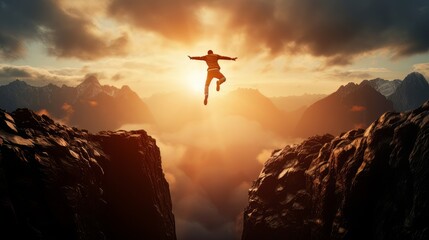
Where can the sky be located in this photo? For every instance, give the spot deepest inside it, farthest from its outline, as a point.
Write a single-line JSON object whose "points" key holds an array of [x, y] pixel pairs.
{"points": [[284, 47]]}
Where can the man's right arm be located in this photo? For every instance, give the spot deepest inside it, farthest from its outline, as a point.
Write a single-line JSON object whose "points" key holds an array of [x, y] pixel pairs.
{"points": [[196, 58]]}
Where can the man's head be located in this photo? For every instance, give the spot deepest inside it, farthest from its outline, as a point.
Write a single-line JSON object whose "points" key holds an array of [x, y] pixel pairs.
{"points": [[209, 52]]}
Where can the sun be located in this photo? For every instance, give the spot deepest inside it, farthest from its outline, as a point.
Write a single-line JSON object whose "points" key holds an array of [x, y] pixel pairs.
{"points": [[196, 80]]}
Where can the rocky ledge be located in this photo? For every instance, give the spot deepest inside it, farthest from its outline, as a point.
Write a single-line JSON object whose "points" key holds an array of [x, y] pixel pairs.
{"points": [[58, 182], [363, 184]]}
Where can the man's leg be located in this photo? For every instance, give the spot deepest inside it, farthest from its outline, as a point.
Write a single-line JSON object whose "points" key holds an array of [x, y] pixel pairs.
{"points": [[206, 87], [221, 80]]}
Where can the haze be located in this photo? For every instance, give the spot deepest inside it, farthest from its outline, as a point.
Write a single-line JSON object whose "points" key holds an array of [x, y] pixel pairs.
{"points": [[212, 153]]}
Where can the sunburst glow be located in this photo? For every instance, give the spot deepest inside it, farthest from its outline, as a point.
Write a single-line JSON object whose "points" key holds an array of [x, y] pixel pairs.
{"points": [[195, 80]]}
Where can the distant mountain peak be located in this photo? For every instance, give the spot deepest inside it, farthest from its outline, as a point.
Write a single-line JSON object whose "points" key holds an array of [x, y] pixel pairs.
{"points": [[18, 82], [126, 88], [344, 90], [89, 88], [89, 105], [385, 87], [348, 86], [415, 74], [246, 91], [415, 77], [351, 106], [90, 80], [413, 91]]}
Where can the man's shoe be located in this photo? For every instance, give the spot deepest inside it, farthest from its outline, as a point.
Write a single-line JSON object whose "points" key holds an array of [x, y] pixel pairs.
{"points": [[218, 85], [205, 99]]}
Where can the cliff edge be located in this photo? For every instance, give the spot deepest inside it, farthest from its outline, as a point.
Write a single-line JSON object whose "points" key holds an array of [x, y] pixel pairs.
{"points": [[58, 182], [363, 184]]}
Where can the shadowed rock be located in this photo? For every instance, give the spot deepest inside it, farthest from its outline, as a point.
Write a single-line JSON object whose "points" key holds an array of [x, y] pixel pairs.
{"points": [[363, 184], [58, 182]]}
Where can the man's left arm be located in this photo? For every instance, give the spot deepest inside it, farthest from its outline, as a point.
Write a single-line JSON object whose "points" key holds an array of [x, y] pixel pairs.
{"points": [[227, 58]]}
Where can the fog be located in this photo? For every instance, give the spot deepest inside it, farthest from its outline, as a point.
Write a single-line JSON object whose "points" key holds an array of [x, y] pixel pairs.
{"points": [[210, 162]]}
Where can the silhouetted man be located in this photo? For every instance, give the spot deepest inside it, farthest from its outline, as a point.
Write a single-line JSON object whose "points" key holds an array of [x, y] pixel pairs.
{"points": [[213, 71]]}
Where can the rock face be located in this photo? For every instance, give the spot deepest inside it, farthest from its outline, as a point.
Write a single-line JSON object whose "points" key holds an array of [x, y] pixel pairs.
{"points": [[58, 182], [364, 184]]}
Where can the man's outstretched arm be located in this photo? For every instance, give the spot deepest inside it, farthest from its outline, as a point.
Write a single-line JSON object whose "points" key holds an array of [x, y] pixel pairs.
{"points": [[196, 58], [227, 58]]}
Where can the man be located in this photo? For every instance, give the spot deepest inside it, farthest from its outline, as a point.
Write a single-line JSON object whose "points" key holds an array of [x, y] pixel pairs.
{"points": [[213, 71]]}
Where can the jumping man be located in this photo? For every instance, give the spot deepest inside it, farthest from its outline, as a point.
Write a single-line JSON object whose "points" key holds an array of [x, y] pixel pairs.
{"points": [[213, 71]]}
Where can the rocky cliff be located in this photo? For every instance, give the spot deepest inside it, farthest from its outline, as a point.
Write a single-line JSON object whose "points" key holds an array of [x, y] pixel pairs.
{"points": [[363, 184], [58, 182]]}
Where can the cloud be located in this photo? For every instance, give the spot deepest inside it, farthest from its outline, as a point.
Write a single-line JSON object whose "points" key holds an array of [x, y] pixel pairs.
{"points": [[68, 113], [14, 72], [176, 20], [10, 47], [349, 75], [210, 164], [423, 68], [117, 77], [43, 112], [65, 34], [210, 167], [38, 76], [357, 108], [68, 110], [195, 231], [337, 30]]}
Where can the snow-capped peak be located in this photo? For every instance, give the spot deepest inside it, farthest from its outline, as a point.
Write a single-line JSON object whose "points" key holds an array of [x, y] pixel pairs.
{"points": [[385, 87], [89, 88]]}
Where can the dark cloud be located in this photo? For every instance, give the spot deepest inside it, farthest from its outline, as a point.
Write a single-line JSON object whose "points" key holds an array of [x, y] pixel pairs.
{"points": [[64, 34], [336, 29], [423, 68], [176, 20], [350, 75], [10, 47], [37, 76], [10, 72], [117, 77]]}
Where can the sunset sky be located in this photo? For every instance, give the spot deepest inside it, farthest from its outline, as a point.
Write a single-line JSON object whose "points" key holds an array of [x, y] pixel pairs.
{"points": [[211, 154], [284, 47]]}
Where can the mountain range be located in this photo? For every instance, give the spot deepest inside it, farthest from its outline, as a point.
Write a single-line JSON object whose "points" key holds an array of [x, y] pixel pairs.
{"points": [[87, 173], [351, 106], [89, 105], [385, 87], [357, 105], [248, 103], [294, 103]]}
